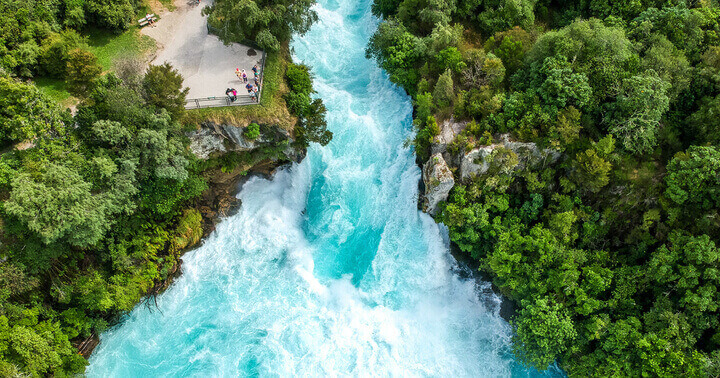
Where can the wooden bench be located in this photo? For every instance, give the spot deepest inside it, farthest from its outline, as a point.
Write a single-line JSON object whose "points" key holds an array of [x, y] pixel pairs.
{"points": [[146, 20]]}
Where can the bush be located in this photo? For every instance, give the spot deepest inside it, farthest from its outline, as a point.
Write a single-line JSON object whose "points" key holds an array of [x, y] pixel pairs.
{"points": [[56, 51], [252, 132], [299, 78]]}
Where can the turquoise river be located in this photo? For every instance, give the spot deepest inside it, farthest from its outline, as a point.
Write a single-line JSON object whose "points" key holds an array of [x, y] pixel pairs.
{"points": [[328, 269]]}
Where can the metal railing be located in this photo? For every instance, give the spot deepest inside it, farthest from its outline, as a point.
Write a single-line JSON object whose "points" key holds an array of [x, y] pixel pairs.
{"points": [[218, 101]]}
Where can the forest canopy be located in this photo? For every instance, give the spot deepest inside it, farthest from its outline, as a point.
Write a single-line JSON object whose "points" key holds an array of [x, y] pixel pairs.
{"points": [[610, 248], [267, 23], [97, 204]]}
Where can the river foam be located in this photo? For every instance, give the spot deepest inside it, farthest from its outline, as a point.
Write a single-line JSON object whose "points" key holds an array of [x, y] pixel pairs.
{"points": [[328, 269]]}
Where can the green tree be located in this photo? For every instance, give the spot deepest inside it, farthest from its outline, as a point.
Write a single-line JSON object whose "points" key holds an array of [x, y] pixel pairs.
{"points": [[560, 87], [693, 187], [82, 71], [269, 23], [602, 53], [591, 171], [423, 15], [26, 113], [687, 268], [635, 119], [299, 78], [163, 88], [444, 92], [313, 126], [704, 124], [396, 51], [511, 52], [544, 331], [442, 37], [111, 14], [58, 204], [670, 64], [501, 15], [450, 59], [385, 8], [74, 14], [56, 51], [567, 128]]}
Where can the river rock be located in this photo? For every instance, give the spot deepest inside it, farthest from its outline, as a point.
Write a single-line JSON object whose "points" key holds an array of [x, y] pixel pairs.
{"points": [[438, 181], [476, 162]]}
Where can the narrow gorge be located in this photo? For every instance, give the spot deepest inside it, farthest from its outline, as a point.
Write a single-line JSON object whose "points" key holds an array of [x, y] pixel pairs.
{"points": [[328, 268]]}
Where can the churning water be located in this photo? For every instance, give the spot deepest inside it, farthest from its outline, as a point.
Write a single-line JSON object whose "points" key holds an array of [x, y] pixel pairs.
{"points": [[329, 268]]}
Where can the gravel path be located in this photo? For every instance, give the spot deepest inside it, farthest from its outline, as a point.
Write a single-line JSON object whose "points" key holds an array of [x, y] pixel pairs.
{"points": [[207, 65]]}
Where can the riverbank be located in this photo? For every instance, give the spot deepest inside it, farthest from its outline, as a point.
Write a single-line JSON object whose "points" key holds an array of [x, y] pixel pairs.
{"points": [[99, 204]]}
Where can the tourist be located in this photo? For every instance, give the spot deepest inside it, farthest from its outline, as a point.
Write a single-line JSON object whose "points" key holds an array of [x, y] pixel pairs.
{"points": [[228, 93], [238, 74], [257, 96], [257, 82], [150, 20], [234, 93], [244, 76], [255, 70], [249, 87]]}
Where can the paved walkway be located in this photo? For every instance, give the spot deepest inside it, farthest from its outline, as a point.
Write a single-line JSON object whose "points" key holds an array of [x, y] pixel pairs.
{"points": [[207, 65]]}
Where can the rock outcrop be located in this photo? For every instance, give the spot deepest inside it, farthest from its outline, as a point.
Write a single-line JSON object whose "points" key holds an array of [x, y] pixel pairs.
{"points": [[272, 148], [449, 129], [438, 170], [477, 161], [213, 140], [438, 179]]}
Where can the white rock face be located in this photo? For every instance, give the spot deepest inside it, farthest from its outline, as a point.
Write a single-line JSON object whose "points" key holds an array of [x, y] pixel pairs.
{"points": [[213, 139], [476, 161], [449, 129], [438, 181], [205, 142]]}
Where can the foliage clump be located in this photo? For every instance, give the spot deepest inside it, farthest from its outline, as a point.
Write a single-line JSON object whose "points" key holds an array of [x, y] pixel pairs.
{"points": [[311, 125]]}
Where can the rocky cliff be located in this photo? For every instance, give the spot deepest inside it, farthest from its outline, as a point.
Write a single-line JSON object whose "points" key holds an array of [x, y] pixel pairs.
{"points": [[438, 181], [215, 144], [212, 140]]}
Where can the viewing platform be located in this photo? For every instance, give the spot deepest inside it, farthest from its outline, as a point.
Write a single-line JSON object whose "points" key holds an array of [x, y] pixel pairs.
{"points": [[207, 65]]}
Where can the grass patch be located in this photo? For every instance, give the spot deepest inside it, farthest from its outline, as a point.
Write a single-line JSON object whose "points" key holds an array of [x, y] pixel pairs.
{"points": [[273, 77], [109, 46], [56, 89], [272, 108]]}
